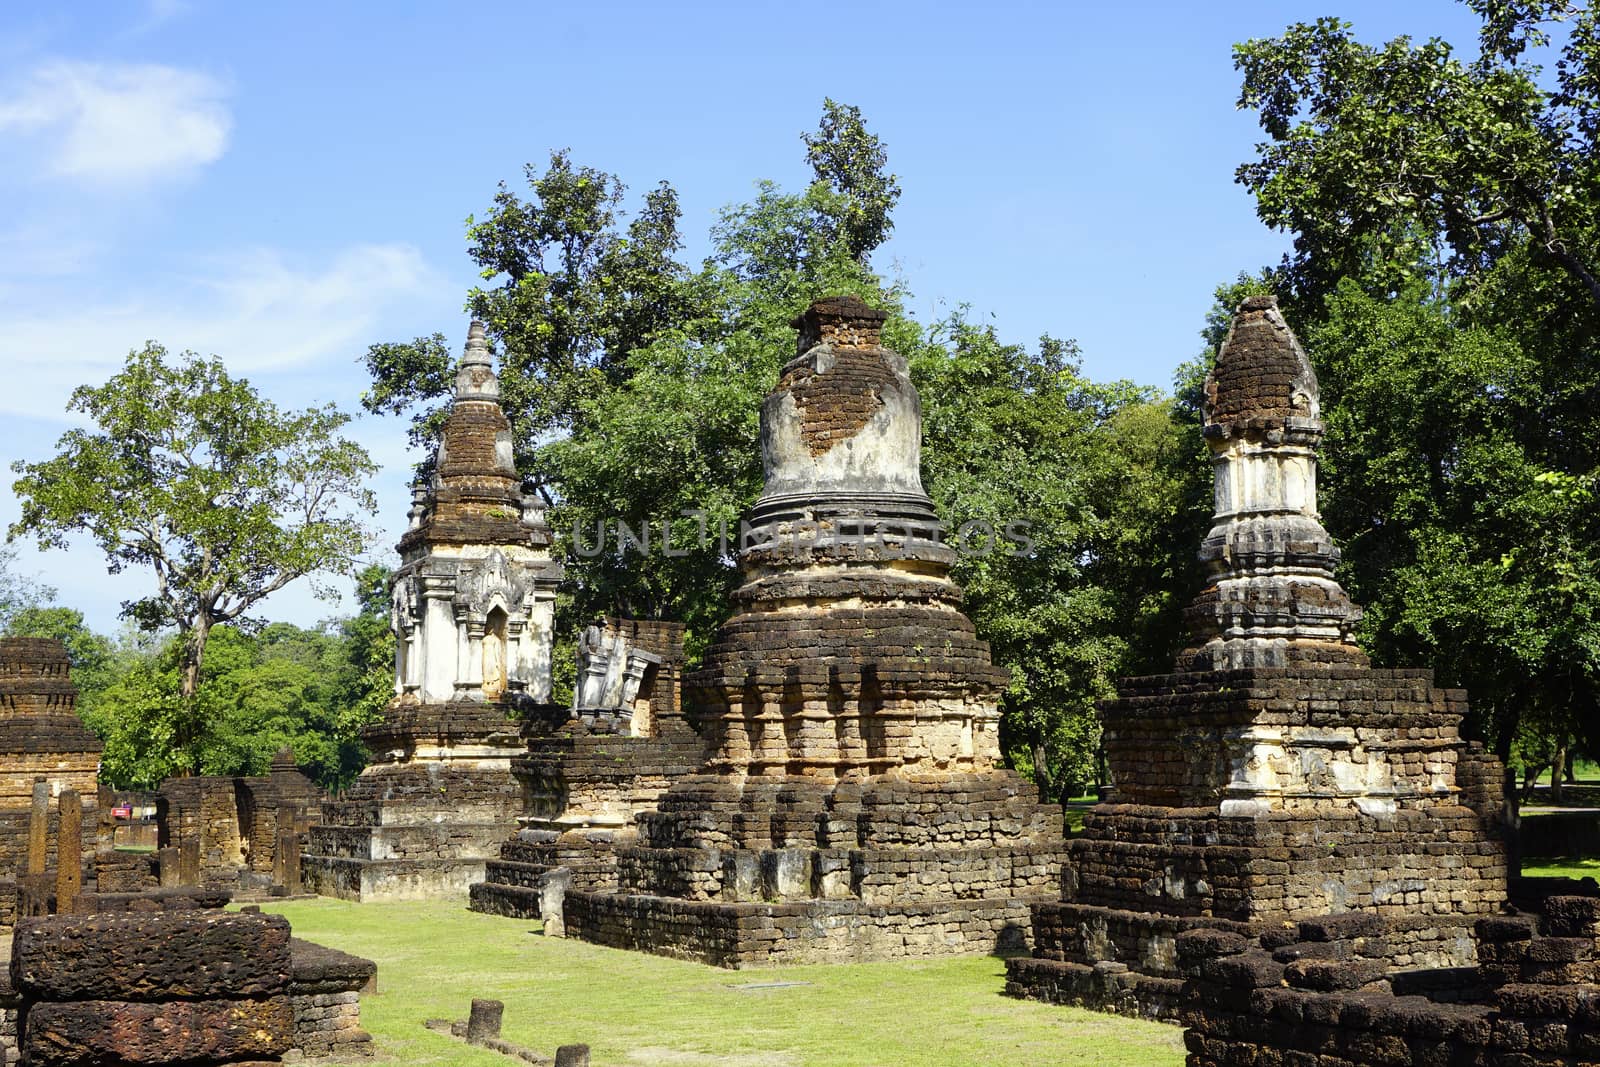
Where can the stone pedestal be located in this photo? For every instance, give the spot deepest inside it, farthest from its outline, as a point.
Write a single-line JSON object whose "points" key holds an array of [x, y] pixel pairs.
{"points": [[422, 820]]}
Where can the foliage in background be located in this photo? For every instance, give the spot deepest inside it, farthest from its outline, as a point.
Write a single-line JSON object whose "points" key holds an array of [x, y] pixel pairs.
{"points": [[311, 690], [18, 592], [1092, 475]]}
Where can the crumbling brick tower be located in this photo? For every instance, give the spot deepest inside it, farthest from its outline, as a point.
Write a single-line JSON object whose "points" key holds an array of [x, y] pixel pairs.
{"points": [[44, 746], [851, 807], [1276, 776], [473, 608]]}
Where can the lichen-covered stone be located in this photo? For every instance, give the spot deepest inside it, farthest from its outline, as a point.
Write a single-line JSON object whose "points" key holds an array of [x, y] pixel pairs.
{"points": [[85, 1033], [151, 956]]}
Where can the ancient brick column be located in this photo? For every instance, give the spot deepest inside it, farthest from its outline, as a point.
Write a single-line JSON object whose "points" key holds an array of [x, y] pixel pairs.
{"points": [[473, 607], [45, 752], [1274, 776], [851, 807], [69, 853]]}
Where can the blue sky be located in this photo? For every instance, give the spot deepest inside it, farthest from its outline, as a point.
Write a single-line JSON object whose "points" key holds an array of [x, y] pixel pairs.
{"points": [[284, 184]]}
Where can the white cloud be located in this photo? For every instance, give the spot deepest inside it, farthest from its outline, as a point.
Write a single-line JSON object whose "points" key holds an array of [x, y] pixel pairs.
{"points": [[105, 123], [297, 331], [256, 311]]}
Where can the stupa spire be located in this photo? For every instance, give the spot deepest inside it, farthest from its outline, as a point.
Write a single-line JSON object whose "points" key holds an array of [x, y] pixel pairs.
{"points": [[1271, 598], [475, 377]]}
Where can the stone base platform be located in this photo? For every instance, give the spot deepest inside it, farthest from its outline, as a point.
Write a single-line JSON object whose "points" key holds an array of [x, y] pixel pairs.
{"points": [[1126, 962], [422, 822], [361, 880], [816, 931], [774, 870], [513, 884]]}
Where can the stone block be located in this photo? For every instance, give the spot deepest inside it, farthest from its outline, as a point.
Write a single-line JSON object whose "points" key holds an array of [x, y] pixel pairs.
{"points": [[92, 1032], [151, 956]]}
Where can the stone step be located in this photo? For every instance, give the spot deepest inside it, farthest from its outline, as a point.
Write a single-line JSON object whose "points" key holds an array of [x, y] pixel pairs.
{"points": [[512, 901], [513, 873]]}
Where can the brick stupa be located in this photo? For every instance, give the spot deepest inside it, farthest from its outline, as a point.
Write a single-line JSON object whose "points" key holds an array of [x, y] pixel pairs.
{"points": [[852, 806], [473, 607], [1275, 776], [42, 742]]}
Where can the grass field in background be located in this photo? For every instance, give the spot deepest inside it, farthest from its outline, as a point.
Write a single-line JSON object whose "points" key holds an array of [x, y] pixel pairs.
{"points": [[1562, 868], [636, 1009]]}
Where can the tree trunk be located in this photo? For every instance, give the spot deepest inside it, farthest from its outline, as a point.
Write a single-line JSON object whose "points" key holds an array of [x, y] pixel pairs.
{"points": [[191, 656], [1558, 767], [1530, 778], [1041, 773]]}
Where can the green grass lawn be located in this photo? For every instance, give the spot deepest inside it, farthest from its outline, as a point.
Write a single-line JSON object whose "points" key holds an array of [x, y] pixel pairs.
{"points": [[1562, 868], [635, 1009]]}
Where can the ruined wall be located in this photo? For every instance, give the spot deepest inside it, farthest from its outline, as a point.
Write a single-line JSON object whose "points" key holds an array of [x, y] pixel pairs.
{"points": [[1320, 995], [203, 809]]}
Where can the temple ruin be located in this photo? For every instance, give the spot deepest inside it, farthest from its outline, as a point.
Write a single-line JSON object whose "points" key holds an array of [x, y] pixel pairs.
{"points": [[587, 776], [1275, 776], [45, 752], [473, 607], [851, 806]]}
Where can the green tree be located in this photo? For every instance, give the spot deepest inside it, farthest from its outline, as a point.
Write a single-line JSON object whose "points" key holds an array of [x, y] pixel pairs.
{"points": [[1469, 551], [309, 689], [573, 294], [852, 163], [1090, 480], [1385, 159], [226, 498]]}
